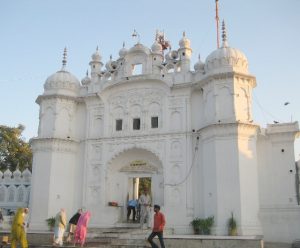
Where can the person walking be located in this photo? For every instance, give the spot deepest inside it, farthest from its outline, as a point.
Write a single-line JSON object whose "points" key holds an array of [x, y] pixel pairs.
{"points": [[81, 228], [18, 233], [158, 228], [59, 227], [72, 225], [145, 204]]}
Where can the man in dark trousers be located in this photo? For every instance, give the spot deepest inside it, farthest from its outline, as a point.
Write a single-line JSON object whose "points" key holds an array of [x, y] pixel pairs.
{"points": [[158, 228]]}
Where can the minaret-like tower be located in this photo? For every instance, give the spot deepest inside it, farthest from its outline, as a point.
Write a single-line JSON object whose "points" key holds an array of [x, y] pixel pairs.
{"points": [[229, 141], [96, 65], [55, 149], [185, 53]]}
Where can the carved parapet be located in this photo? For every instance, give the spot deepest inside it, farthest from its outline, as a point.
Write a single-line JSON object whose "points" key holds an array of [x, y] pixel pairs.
{"points": [[53, 145]]}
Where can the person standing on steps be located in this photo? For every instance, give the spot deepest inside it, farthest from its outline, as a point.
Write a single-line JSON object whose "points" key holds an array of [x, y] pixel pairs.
{"points": [[81, 228], [72, 225], [131, 206], [158, 228], [59, 227], [145, 204]]}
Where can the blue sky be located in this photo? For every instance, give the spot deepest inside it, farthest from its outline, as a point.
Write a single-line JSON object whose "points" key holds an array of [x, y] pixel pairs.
{"points": [[34, 32]]}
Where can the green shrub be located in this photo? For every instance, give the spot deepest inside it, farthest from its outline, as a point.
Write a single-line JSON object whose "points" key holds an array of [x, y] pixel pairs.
{"points": [[202, 226]]}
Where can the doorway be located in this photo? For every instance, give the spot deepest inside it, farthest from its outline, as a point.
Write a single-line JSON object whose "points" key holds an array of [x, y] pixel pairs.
{"points": [[136, 185]]}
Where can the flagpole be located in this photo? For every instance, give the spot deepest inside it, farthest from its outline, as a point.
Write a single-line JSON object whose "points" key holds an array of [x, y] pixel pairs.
{"points": [[217, 24]]}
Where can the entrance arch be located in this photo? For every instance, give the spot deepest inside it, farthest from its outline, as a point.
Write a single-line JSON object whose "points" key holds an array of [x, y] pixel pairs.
{"points": [[127, 166]]}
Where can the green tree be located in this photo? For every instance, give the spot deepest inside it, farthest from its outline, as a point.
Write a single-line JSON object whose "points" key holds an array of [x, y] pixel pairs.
{"points": [[14, 151]]}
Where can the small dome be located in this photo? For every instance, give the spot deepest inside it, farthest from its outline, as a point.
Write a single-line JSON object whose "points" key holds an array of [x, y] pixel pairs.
{"points": [[139, 48], [184, 42], [171, 55], [111, 65], [86, 80], [227, 57], [96, 56], [156, 47], [199, 66], [123, 51]]}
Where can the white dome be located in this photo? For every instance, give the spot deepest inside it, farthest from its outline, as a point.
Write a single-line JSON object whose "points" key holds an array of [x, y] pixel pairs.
{"points": [[61, 80], [86, 80], [156, 47], [227, 57], [184, 42], [111, 65], [96, 56], [199, 66], [123, 51], [171, 55], [139, 48]]}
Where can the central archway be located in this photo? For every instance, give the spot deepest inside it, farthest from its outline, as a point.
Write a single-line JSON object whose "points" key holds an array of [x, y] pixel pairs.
{"points": [[122, 172]]}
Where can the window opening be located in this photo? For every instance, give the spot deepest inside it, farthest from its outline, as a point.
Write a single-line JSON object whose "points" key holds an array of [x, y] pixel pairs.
{"points": [[119, 123], [137, 69], [136, 123], [154, 122]]}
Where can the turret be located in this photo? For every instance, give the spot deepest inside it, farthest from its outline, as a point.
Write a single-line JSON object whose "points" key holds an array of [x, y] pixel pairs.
{"points": [[57, 104], [185, 53], [96, 65]]}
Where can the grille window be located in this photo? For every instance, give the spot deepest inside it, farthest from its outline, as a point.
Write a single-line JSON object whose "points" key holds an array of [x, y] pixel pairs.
{"points": [[119, 125], [154, 122], [136, 124]]}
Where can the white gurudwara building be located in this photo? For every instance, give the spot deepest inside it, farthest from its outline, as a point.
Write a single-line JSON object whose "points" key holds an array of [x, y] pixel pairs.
{"points": [[190, 132]]}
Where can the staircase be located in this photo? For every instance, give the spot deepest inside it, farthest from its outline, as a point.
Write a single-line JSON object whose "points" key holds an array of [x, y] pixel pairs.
{"points": [[130, 235]]}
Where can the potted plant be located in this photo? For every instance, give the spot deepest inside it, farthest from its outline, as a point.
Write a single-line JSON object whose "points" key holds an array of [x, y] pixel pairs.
{"points": [[51, 222], [196, 225], [202, 226], [232, 226]]}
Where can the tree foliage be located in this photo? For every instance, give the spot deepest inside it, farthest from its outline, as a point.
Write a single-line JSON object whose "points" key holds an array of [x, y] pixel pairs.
{"points": [[14, 151]]}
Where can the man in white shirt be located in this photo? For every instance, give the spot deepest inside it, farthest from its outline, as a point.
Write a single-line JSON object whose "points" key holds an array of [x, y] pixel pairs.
{"points": [[145, 206]]}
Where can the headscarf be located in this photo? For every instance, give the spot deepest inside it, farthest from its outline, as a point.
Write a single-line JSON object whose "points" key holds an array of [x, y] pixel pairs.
{"points": [[84, 219]]}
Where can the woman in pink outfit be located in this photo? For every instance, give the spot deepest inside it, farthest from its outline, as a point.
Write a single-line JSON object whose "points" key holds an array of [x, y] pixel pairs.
{"points": [[81, 228]]}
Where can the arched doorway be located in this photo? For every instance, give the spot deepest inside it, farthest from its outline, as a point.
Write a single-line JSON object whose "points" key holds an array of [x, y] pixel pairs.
{"points": [[125, 175]]}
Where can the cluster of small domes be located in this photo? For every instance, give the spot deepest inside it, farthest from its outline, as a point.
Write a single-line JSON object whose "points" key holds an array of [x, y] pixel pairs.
{"points": [[222, 59]]}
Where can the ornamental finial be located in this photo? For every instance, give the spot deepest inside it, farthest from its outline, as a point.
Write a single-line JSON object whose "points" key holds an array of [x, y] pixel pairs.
{"points": [[224, 35], [64, 61]]}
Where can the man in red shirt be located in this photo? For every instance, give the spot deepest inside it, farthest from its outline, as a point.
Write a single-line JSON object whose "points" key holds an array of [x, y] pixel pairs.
{"points": [[158, 228]]}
